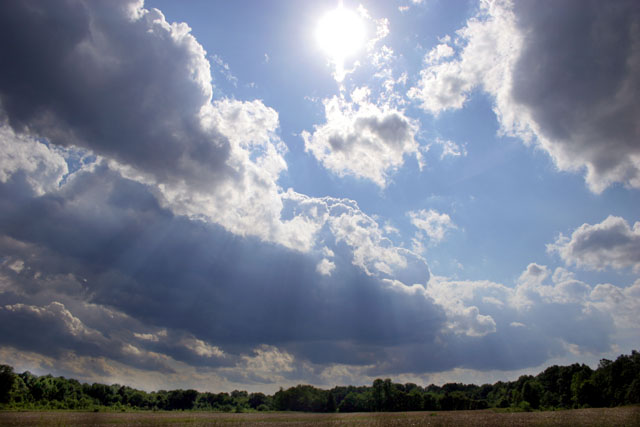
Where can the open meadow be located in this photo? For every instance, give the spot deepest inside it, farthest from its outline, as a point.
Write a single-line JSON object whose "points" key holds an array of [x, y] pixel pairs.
{"points": [[623, 416]]}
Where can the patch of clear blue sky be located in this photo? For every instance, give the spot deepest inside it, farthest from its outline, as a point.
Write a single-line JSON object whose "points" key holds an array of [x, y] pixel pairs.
{"points": [[507, 200]]}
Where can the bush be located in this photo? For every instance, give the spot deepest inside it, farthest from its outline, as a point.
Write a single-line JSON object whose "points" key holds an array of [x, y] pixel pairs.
{"points": [[525, 406]]}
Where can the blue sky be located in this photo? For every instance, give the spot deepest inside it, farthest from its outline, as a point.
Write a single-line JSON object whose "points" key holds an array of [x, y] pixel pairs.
{"points": [[203, 194]]}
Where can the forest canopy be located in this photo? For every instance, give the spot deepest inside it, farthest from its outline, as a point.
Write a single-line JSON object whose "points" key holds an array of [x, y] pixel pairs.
{"points": [[613, 383]]}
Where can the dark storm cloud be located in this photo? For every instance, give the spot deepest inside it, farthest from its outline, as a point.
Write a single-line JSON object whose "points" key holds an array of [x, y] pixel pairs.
{"points": [[99, 267], [53, 330], [564, 73], [233, 292], [96, 74], [547, 329], [124, 83], [206, 297], [578, 74], [507, 350]]}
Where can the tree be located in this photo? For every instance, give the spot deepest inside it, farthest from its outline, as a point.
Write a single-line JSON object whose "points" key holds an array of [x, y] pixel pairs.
{"points": [[7, 378], [182, 399], [301, 398], [19, 392], [378, 395], [331, 403], [532, 392], [415, 401], [257, 399], [613, 383], [633, 391], [354, 402], [429, 402]]}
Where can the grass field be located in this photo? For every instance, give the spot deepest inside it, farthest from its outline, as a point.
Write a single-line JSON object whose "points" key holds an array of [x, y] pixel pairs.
{"points": [[625, 416]]}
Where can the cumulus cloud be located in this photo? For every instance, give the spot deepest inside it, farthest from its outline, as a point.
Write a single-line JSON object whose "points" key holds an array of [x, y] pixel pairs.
{"points": [[490, 47], [542, 316], [431, 224], [533, 287], [622, 303], [66, 332], [119, 284], [567, 81], [176, 251], [129, 254], [43, 167], [366, 133], [325, 267], [156, 121], [372, 250], [609, 244], [182, 191], [361, 138], [163, 78]]}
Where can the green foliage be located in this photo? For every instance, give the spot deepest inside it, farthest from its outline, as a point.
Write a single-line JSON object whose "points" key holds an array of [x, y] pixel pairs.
{"points": [[181, 399], [525, 406], [353, 402], [613, 383], [532, 393], [7, 378], [301, 398], [331, 403], [255, 400]]}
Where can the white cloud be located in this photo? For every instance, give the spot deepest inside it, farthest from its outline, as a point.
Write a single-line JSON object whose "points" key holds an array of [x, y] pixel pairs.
{"points": [[146, 337], [450, 148], [432, 224], [224, 69], [533, 287], [327, 252], [266, 365], [266, 359], [217, 161], [463, 316], [212, 160], [201, 348], [490, 50], [16, 266], [622, 303], [362, 139], [405, 8], [43, 166], [251, 203], [382, 28], [325, 267], [559, 313], [547, 86], [609, 244], [438, 53], [372, 251], [447, 148]]}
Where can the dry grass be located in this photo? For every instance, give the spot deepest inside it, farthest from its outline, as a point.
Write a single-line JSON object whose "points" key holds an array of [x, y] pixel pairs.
{"points": [[625, 416]]}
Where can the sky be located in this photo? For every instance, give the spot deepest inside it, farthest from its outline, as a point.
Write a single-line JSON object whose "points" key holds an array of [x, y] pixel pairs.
{"points": [[223, 195]]}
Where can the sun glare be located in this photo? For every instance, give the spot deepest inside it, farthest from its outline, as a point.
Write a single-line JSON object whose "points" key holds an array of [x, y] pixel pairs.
{"points": [[340, 33]]}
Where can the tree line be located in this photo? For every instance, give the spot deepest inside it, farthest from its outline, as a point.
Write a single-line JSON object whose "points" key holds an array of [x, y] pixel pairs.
{"points": [[613, 383]]}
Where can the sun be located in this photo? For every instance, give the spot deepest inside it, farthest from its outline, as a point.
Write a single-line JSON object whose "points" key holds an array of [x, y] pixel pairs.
{"points": [[340, 34]]}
